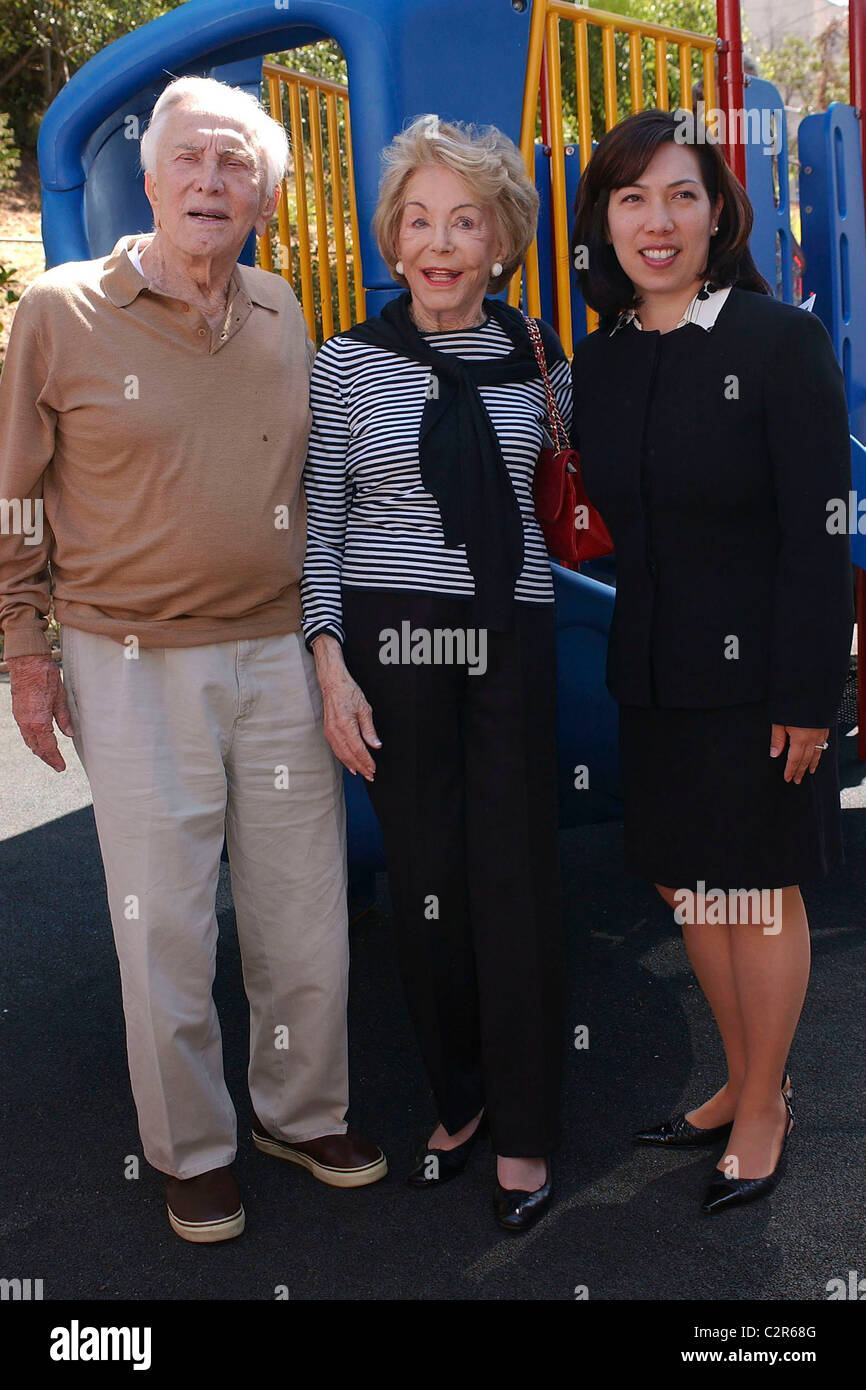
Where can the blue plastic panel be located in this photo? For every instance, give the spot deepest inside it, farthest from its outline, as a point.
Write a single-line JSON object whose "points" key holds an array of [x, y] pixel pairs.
{"points": [[834, 242], [771, 242]]}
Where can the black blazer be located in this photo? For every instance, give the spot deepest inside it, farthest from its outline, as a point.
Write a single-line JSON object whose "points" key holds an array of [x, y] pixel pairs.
{"points": [[712, 456]]}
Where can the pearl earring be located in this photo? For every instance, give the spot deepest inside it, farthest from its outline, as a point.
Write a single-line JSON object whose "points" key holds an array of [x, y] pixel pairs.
{"points": [[399, 267], [496, 269]]}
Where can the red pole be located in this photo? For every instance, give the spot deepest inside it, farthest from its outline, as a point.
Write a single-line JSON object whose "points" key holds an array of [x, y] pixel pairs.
{"points": [[731, 84]]}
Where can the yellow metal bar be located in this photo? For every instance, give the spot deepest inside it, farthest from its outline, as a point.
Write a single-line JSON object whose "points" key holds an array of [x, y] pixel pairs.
{"points": [[530, 86], [584, 112], [337, 204], [608, 55], [559, 211], [307, 296], [590, 15], [264, 241], [533, 283], [276, 75], [289, 75], [686, 76], [357, 275], [322, 238], [662, 75], [285, 231], [710, 80], [515, 284], [527, 149], [635, 72]]}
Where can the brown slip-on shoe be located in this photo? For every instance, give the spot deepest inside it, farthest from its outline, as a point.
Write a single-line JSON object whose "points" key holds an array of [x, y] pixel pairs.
{"points": [[340, 1160], [205, 1208]]}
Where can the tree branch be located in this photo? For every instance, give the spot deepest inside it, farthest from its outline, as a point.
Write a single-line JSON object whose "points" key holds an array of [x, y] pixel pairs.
{"points": [[18, 65]]}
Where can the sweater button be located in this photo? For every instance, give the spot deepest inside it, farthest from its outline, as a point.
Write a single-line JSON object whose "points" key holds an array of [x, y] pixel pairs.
{"points": [[201, 332]]}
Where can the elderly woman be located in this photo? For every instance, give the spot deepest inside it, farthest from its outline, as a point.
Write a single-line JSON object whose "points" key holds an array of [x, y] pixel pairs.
{"points": [[713, 431], [428, 604]]}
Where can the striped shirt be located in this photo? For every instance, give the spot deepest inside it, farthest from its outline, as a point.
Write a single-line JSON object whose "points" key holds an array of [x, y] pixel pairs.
{"points": [[371, 523]]}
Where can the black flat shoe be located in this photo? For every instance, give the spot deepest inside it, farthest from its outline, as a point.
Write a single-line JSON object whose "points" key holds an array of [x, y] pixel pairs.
{"points": [[435, 1166], [516, 1211], [725, 1192], [679, 1133]]}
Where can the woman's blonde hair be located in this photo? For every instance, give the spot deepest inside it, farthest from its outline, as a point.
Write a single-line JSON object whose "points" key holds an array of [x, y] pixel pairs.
{"points": [[488, 161]]}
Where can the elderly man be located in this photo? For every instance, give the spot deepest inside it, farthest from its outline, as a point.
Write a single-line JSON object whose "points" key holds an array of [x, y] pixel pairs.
{"points": [[155, 405]]}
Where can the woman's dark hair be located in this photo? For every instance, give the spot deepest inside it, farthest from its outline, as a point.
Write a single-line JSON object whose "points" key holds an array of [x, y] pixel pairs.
{"points": [[619, 160]]}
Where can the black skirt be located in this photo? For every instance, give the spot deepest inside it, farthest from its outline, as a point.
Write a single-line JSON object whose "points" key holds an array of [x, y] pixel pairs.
{"points": [[704, 801]]}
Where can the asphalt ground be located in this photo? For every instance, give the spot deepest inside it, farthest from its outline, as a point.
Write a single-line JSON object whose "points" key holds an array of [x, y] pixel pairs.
{"points": [[625, 1223]]}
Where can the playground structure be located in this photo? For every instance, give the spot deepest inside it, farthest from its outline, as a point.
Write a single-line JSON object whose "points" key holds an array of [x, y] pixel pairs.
{"points": [[498, 62]]}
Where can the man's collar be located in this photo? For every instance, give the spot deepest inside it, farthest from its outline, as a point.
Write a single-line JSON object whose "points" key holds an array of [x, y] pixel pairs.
{"points": [[122, 283], [261, 286], [703, 310]]}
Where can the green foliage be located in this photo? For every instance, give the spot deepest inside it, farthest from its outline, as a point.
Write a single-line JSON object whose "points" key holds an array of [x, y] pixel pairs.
{"points": [[43, 42], [809, 73], [8, 293], [9, 158], [7, 283], [324, 59], [698, 16]]}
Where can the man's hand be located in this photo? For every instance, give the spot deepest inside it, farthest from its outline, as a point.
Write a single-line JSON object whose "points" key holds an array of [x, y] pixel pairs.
{"points": [[348, 715], [38, 698], [804, 750]]}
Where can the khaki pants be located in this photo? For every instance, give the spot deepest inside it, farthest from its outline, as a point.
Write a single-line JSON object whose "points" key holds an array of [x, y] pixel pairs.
{"points": [[180, 744]]}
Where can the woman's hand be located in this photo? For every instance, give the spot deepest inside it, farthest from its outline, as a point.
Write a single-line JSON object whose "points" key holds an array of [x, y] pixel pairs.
{"points": [[803, 755], [348, 716]]}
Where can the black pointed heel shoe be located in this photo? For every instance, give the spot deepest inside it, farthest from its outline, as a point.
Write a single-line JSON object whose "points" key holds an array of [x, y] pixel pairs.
{"points": [[516, 1211], [723, 1192], [433, 1167], [679, 1133]]}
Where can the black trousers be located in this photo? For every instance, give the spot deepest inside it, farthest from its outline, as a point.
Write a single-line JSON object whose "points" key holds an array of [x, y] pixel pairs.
{"points": [[465, 792]]}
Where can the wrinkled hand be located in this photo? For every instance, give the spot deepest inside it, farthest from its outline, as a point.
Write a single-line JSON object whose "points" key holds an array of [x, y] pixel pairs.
{"points": [[803, 756], [348, 716], [38, 699]]}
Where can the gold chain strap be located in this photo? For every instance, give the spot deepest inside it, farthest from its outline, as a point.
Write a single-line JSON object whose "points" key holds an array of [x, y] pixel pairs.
{"points": [[558, 430]]}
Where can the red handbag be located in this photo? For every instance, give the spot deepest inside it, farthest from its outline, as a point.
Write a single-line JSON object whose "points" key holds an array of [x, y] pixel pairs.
{"points": [[573, 529]]}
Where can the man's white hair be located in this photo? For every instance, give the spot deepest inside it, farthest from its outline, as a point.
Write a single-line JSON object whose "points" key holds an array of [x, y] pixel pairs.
{"points": [[212, 98]]}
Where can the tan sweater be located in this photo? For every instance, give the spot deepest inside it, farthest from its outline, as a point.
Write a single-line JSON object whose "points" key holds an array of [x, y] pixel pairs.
{"points": [[167, 455]]}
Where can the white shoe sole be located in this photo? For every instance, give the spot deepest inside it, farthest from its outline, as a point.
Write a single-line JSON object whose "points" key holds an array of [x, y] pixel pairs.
{"points": [[334, 1177], [207, 1232]]}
